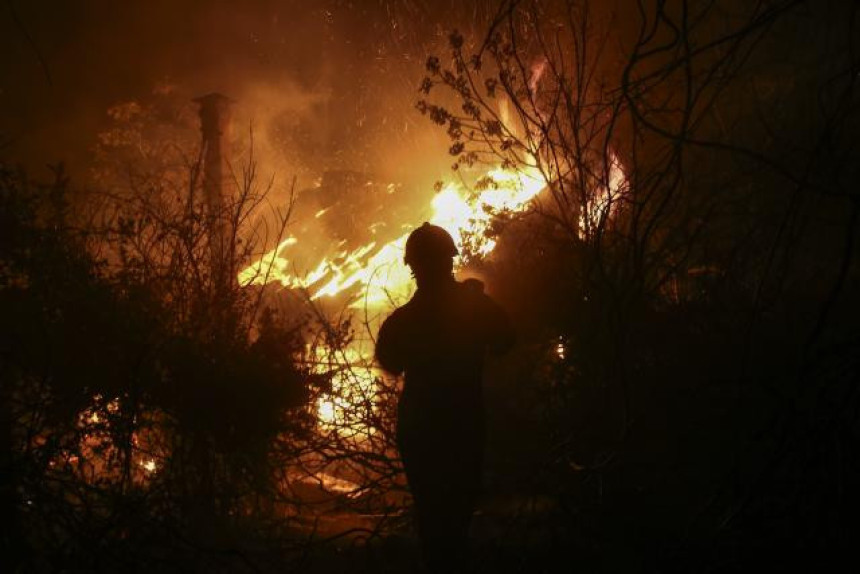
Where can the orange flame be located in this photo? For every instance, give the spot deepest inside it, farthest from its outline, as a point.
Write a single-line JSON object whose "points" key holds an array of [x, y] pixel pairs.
{"points": [[378, 269], [378, 274]]}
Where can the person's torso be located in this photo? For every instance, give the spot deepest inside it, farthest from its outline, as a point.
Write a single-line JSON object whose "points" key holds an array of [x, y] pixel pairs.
{"points": [[445, 342]]}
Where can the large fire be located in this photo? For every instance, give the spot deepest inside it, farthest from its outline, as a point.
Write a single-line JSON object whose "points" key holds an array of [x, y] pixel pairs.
{"points": [[378, 269], [374, 278], [375, 275]]}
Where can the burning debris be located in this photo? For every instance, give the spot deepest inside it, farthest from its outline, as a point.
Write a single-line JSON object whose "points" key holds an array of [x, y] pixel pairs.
{"points": [[376, 269]]}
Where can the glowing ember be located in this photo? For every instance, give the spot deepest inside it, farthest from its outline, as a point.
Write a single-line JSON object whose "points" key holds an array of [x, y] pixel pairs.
{"points": [[97, 456], [560, 349]]}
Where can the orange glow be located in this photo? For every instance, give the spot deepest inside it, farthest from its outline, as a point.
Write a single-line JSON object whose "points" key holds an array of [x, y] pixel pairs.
{"points": [[378, 269], [375, 277], [604, 200], [97, 457], [353, 381], [380, 278]]}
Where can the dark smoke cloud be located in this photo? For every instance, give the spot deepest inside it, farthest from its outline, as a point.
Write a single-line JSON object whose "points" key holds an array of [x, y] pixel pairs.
{"points": [[332, 81]]}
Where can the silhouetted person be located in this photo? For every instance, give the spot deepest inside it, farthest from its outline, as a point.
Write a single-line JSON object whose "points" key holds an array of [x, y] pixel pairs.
{"points": [[439, 339]]}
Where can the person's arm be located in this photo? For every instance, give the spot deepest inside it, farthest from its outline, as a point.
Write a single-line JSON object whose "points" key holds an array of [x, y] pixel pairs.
{"points": [[500, 331], [389, 346]]}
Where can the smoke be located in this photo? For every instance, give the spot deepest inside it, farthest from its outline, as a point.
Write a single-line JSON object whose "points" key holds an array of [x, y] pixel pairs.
{"points": [[327, 88], [327, 85]]}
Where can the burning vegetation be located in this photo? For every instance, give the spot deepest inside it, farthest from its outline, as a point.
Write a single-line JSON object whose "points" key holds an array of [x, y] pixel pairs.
{"points": [[661, 194]]}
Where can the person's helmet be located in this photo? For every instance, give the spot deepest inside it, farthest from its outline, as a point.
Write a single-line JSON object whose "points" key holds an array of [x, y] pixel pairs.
{"points": [[429, 243]]}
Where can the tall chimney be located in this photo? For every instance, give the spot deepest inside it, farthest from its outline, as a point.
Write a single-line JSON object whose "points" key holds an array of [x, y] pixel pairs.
{"points": [[215, 115]]}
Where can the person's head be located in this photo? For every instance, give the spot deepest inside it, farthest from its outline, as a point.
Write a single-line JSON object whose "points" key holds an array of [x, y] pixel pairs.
{"points": [[430, 252]]}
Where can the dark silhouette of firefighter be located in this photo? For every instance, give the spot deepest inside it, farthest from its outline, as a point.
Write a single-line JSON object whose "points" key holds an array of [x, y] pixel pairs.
{"points": [[439, 340]]}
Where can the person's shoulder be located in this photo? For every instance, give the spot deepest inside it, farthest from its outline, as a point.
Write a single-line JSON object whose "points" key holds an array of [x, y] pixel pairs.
{"points": [[396, 315], [401, 314]]}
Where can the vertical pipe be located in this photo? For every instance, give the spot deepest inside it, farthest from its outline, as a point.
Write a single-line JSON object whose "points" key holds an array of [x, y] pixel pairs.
{"points": [[215, 115]]}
